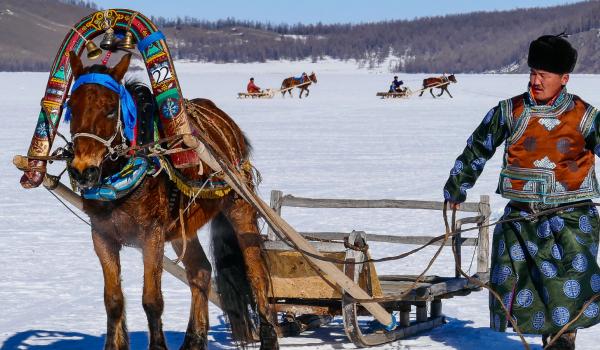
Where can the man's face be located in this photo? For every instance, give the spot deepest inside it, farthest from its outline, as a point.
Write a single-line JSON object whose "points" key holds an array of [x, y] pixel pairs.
{"points": [[545, 85]]}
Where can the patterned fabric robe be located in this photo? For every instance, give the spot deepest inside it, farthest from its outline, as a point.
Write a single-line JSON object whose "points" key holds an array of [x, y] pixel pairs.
{"points": [[545, 269]]}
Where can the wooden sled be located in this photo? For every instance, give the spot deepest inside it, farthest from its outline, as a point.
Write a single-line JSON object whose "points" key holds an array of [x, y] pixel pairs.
{"points": [[268, 93], [309, 300], [402, 94]]}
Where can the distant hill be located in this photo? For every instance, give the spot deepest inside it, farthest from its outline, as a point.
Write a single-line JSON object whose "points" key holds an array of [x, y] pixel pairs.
{"points": [[32, 31], [473, 42]]}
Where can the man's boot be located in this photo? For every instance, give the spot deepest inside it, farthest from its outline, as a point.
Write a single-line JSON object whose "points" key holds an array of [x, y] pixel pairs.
{"points": [[565, 342]]}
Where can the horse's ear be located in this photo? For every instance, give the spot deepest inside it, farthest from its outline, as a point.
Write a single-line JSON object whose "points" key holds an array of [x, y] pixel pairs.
{"points": [[118, 71], [75, 63]]}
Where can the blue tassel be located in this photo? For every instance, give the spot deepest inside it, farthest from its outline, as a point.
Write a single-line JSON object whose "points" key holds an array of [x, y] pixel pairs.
{"points": [[67, 114], [392, 325]]}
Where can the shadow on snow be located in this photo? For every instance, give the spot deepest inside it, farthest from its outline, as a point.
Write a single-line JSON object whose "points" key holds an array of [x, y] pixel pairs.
{"points": [[454, 334]]}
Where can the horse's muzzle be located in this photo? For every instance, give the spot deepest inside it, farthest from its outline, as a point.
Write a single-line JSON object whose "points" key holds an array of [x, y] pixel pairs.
{"points": [[90, 176]]}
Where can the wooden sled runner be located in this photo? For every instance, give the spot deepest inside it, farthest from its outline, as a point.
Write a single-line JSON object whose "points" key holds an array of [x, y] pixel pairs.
{"points": [[268, 93], [303, 294], [402, 94]]}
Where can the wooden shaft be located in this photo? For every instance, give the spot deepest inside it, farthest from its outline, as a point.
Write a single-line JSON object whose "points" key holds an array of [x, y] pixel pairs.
{"points": [[280, 225], [74, 199]]}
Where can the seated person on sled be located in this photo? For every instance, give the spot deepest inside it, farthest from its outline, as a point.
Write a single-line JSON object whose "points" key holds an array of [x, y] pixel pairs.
{"points": [[252, 88], [396, 85]]}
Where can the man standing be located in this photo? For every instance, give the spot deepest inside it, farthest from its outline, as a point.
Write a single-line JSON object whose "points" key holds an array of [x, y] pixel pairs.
{"points": [[252, 88], [545, 269]]}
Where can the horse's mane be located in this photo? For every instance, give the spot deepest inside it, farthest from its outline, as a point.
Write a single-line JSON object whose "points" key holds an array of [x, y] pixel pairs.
{"points": [[97, 68], [131, 82]]}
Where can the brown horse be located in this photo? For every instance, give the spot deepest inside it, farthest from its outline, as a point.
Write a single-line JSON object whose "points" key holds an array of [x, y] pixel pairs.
{"points": [[438, 82], [288, 84], [154, 213]]}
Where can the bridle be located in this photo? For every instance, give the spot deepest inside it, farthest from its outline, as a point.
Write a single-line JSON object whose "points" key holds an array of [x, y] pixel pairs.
{"points": [[126, 115], [113, 152]]}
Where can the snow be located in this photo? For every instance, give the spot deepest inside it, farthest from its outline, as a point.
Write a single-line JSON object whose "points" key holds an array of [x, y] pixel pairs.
{"points": [[341, 142]]}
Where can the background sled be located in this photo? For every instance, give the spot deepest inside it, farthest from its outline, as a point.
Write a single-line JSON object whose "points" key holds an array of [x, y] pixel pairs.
{"points": [[403, 94], [268, 93]]}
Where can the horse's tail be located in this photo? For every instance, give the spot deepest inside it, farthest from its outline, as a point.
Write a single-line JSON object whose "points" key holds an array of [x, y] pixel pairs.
{"points": [[233, 287], [284, 84]]}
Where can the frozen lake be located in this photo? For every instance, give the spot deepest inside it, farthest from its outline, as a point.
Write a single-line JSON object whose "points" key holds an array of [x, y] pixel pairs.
{"points": [[340, 142]]}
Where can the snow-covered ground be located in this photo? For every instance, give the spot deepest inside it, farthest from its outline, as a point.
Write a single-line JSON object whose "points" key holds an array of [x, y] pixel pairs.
{"points": [[341, 142]]}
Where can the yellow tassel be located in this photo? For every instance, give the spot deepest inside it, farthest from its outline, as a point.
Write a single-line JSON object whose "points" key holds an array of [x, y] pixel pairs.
{"points": [[191, 191]]}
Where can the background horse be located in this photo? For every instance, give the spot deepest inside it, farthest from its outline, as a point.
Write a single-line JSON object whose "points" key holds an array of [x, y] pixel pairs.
{"points": [[154, 213], [438, 82], [288, 84]]}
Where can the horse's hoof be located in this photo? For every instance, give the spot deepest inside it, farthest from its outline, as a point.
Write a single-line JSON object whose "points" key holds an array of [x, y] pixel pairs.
{"points": [[194, 343], [268, 338], [564, 342]]}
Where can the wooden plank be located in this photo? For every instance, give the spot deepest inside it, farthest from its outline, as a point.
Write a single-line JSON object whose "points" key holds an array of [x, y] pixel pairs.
{"points": [[421, 312], [484, 239], [436, 308], [302, 309], [425, 290], [275, 204], [373, 237], [300, 202], [412, 278], [321, 246], [293, 277], [405, 315], [392, 94]]}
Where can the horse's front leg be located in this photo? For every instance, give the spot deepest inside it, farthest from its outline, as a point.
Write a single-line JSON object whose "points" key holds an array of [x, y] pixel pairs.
{"points": [[448, 91], [243, 219], [152, 300], [107, 251], [301, 91], [431, 92], [307, 92], [198, 272]]}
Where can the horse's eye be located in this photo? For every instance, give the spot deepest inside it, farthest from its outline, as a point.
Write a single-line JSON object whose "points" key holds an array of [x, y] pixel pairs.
{"points": [[112, 114]]}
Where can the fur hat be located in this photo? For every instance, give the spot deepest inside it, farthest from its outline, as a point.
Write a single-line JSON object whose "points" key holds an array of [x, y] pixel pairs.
{"points": [[552, 53]]}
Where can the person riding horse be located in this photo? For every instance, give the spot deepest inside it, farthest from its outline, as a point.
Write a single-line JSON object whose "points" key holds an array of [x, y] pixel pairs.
{"points": [[301, 82], [439, 83], [544, 267], [301, 78]]}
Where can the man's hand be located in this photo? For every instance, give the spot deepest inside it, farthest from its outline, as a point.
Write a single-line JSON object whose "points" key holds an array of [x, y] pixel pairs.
{"points": [[453, 205]]}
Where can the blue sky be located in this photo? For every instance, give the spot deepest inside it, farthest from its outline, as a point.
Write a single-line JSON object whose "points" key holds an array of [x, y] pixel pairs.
{"points": [[312, 11]]}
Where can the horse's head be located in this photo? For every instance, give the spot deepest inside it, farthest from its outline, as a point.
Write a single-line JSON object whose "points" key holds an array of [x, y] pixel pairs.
{"points": [[96, 110], [313, 77], [452, 78]]}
